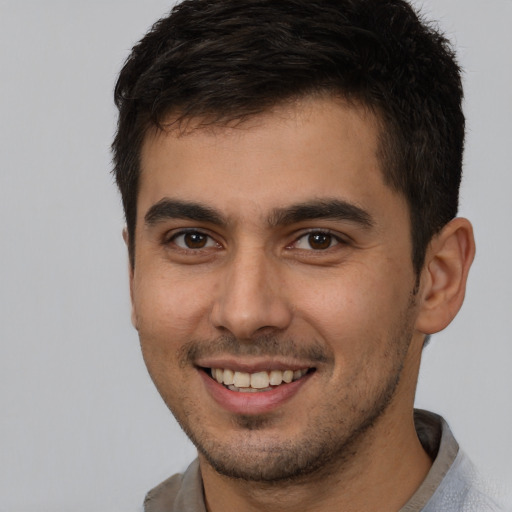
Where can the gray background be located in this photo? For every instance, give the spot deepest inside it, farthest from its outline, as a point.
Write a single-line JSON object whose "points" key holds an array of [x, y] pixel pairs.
{"points": [[81, 427]]}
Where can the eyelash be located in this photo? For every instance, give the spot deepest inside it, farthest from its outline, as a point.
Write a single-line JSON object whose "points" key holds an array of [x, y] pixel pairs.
{"points": [[209, 241], [334, 240], [183, 233]]}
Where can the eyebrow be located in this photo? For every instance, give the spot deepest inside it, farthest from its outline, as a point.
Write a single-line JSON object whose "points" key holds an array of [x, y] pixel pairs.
{"points": [[334, 209], [167, 209]]}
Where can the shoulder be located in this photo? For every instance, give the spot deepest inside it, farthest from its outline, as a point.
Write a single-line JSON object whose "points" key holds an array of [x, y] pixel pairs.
{"points": [[463, 490], [453, 484], [183, 491]]}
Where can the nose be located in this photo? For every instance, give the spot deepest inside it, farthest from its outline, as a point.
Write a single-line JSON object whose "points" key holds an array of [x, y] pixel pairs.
{"points": [[250, 297]]}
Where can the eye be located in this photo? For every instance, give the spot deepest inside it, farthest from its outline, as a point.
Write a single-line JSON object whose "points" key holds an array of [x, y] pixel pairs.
{"points": [[193, 240], [317, 241]]}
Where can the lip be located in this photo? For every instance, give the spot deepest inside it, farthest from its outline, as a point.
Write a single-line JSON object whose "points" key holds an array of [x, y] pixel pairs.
{"points": [[253, 366], [252, 403]]}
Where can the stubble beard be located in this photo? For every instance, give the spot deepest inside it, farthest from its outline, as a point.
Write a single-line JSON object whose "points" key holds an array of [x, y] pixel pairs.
{"points": [[324, 446], [329, 444]]}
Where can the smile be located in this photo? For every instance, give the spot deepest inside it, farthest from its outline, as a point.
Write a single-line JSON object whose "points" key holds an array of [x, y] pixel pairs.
{"points": [[245, 382], [253, 388]]}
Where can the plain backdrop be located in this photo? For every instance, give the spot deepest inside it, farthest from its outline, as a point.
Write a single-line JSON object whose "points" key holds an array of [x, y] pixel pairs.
{"points": [[81, 426]]}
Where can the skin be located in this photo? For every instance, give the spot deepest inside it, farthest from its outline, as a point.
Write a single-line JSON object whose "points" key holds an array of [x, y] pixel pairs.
{"points": [[227, 275]]}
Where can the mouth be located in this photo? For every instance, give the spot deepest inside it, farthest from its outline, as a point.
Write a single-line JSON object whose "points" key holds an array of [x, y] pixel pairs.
{"points": [[257, 382], [256, 387]]}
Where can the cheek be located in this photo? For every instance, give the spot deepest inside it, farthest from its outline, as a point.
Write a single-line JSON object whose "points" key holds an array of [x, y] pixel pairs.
{"points": [[356, 311], [169, 310], [168, 315]]}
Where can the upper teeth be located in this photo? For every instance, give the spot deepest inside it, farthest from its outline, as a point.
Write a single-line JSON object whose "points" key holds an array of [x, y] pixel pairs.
{"points": [[258, 380]]}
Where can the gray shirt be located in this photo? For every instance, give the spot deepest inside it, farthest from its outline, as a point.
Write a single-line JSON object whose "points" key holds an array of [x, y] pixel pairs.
{"points": [[452, 484]]}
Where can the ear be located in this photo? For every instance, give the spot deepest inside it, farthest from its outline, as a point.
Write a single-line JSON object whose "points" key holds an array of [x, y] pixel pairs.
{"points": [[444, 276], [131, 275]]}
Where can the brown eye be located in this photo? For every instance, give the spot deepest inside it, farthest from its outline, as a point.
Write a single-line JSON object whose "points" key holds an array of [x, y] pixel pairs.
{"points": [[193, 240], [316, 241], [319, 241]]}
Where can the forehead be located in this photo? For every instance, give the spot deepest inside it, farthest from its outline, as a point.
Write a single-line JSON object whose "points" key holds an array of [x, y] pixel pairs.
{"points": [[298, 152]]}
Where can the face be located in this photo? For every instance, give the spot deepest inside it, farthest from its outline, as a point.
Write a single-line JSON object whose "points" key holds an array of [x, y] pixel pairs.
{"points": [[273, 288]]}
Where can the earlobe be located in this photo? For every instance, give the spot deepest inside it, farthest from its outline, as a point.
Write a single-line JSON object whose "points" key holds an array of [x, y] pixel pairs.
{"points": [[444, 276], [130, 276]]}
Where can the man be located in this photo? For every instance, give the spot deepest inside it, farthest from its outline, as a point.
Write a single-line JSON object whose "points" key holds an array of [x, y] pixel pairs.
{"points": [[289, 173]]}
